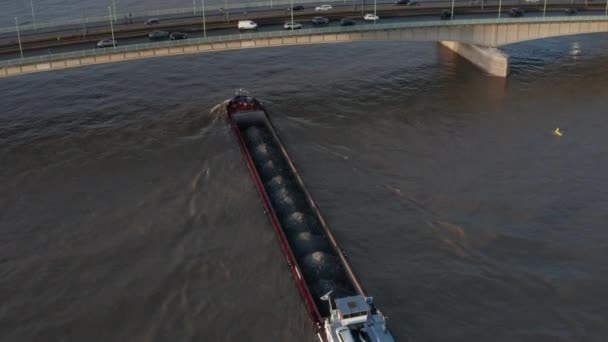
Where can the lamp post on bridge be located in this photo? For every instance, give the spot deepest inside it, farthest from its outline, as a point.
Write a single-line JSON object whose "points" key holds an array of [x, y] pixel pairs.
{"points": [[204, 21], [19, 37], [112, 28], [375, 1], [499, 7], [33, 15], [291, 10], [606, 7], [85, 21], [452, 12], [226, 10], [114, 6], [545, 9]]}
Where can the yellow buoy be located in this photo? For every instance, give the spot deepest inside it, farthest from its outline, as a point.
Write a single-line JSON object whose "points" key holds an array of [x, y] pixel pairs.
{"points": [[558, 132]]}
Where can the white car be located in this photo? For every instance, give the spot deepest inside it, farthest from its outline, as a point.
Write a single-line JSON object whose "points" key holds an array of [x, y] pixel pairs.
{"points": [[371, 17], [531, 1], [292, 26], [247, 25], [106, 43], [324, 8]]}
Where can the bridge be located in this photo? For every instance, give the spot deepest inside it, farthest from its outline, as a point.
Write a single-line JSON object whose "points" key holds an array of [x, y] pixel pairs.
{"points": [[475, 39]]}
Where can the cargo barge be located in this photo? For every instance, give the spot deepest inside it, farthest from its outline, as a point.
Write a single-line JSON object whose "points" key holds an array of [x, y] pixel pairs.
{"points": [[337, 304]]}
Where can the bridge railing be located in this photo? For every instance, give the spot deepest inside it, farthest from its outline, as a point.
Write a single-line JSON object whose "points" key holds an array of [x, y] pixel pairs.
{"points": [[289, 33]]}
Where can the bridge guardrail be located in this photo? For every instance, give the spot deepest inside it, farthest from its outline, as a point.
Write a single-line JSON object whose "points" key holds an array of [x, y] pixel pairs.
{"points": [[288, 33]]}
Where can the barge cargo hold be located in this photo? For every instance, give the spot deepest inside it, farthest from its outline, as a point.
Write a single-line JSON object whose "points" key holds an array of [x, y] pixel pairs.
{"points": [[336, 302]]}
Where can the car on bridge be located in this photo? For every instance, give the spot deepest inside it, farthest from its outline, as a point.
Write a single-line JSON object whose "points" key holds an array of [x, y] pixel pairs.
{"points": [[292, 26], [323, 8], [104, 43], [157, 35], [407, 2], [517, 12], [371, 17], [347, 22], [178, 35], [532, 1], [320, 21], [445, 14], [296, 8], [152, 21], [570, 11], [244, 25]]}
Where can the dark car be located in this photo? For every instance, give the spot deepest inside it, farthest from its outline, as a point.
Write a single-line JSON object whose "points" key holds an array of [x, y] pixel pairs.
{"points": [[320, 20], [402, 2], [517, 12], [445, 14], [155, 35], [570, 11], [178, 35], [347, 22], [296, 8], [152, 21]]}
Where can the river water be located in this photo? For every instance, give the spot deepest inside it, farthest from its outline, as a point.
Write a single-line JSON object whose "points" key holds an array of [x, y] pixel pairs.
{"points": [[129, 215]]}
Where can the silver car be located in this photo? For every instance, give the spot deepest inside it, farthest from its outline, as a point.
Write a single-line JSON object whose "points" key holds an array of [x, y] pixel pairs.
{"points": [[106, 43], [292, 26]]}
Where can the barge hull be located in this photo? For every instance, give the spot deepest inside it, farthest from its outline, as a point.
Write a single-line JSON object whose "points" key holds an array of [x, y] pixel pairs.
{"points": [[316, 261], [272, 217]]}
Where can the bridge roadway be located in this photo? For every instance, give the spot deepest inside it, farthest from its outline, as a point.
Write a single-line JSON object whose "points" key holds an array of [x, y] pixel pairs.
{"points": [[48, 40], [92, 32], [482, 29], [183, 16], [42, 49]]}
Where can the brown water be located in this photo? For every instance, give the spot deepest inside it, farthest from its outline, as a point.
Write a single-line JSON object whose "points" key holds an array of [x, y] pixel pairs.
{"points": [[128, 213]]}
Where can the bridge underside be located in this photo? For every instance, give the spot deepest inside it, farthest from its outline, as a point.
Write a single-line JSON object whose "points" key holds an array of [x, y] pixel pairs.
{"points": [[489, 34], [489, 59]]}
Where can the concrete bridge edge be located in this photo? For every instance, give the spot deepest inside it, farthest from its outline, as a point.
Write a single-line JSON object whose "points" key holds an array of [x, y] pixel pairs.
{"points": [[20, 69]]}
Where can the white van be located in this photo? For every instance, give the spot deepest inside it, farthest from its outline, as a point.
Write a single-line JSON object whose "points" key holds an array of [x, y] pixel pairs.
{"points": [[247, 25]]}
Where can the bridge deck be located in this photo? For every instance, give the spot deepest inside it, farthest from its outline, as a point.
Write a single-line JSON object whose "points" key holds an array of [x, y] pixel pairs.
{"points": [[485, 32]]}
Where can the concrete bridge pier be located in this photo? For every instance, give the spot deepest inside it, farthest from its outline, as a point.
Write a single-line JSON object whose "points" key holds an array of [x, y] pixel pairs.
{"points": [[489, 59]]}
